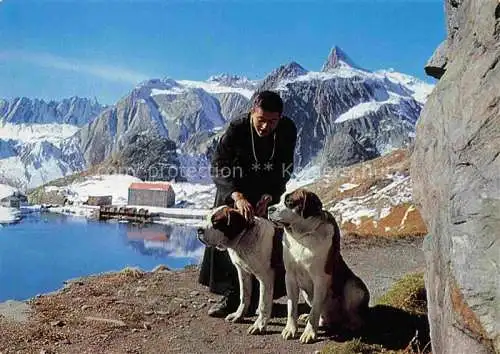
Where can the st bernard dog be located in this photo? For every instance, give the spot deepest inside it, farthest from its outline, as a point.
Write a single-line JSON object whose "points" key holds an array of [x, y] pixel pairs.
{"points": [[313, 263], [249, 246]]}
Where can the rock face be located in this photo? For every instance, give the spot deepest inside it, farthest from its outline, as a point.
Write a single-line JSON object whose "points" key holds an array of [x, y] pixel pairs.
{"points": [[150, 158], [456, 174], [436, 66], [344, 150], [231, 104], [156, 107]]}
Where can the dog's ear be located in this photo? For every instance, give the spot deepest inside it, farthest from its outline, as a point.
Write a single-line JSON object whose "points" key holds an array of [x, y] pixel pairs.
{"points": [[229, 221], [334, 251], [312, 205], [295, 200], [304, 202]]}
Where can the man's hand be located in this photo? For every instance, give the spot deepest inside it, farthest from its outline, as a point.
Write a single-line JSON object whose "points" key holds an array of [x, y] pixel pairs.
{"points": [[243, 206], [261, 207]]}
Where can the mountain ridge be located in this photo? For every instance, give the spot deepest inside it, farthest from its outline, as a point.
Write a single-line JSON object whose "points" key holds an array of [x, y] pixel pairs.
{"points": [[372, 112]]}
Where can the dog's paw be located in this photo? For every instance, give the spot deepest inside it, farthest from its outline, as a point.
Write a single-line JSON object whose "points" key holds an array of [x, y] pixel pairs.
{"points": [[258, 327], [289, 332], [234, 317], [309, 335], [304, 317]]}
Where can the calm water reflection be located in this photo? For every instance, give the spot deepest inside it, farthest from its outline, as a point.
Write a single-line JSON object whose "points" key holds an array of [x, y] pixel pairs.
{"points": [[42, 251]]}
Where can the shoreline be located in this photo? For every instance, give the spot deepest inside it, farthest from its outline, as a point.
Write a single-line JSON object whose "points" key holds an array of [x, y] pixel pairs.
{"points": [[349, 242], [19, 310], [175, 216], [352, 247]]}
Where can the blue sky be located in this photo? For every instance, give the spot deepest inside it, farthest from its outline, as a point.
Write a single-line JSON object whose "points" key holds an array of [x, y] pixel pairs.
{"points": [[102, 48]]}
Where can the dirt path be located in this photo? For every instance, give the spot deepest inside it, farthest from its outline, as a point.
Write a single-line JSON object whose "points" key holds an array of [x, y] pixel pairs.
{"points": [[165, 311], [381, 263]]}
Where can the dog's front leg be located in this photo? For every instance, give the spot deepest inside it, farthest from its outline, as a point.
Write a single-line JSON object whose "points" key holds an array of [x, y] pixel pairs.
{"points": [[245, 280], [320, 293], [266, 291], [292, 291]]}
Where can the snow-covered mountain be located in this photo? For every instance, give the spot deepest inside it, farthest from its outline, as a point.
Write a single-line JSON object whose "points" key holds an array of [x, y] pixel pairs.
{"points": [[177, 110], [33, 134], [344, 114], [338, 59], [73, 111]]}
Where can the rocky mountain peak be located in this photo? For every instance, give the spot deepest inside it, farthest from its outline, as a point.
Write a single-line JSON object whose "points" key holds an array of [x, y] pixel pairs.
{"points": [[286, 71], [290, 70], [145, 88], [338, 58], [232, 81]]}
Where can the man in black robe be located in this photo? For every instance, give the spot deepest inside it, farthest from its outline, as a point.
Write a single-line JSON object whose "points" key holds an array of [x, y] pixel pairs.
{"points": [[251, 165]]}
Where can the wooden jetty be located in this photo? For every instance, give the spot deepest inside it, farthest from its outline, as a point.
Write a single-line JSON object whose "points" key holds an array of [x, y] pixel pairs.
{"points": [[140, 215]]}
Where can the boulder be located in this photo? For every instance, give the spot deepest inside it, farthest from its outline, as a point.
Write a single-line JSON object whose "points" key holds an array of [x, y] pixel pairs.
{"points": [[455, 168], [436, 66]]}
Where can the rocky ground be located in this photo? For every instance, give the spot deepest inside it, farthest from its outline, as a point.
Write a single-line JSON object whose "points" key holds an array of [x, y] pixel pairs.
{"points": [[165, 311]]}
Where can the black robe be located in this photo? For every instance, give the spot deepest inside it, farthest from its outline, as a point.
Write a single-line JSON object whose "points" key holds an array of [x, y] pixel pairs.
{"points": [[235, 168]]}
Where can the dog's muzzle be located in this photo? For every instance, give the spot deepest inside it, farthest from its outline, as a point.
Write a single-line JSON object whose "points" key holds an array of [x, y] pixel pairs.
{"points": [[271, 211], [275, 219]]}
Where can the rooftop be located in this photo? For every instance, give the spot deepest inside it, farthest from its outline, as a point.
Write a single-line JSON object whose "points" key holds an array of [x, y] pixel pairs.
{"points": [[161, 186]]}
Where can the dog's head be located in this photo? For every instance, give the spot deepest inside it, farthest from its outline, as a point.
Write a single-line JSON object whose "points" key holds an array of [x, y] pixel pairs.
{"points": [[296, 206], [223, 226]]}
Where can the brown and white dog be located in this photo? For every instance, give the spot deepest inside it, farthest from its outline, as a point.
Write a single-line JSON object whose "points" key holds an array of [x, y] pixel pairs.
{"points": [[249, 246], [311, 252]]}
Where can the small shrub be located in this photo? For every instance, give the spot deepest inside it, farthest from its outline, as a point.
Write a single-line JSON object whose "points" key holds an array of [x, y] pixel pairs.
{"points": [[407, 294], [132, 272]]}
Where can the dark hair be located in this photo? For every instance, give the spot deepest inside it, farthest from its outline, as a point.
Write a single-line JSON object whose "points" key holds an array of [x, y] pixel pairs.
{"points": [[269, 101]]}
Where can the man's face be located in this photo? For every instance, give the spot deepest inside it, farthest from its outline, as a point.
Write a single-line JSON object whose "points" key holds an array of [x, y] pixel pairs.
{"points": [[263, 121]]}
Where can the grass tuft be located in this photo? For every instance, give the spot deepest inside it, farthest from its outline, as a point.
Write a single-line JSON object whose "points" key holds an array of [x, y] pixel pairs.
{"points": [[132, 272], [407, 294]]}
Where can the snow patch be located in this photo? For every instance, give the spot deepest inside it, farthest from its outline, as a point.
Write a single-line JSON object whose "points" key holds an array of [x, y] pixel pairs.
{"points": [[410, 209], [6, 190], [420, 89], [9, 215], [171, 91], [364, 108], [385, 212], [197, 195], [307, 175], [100, 185], [351, 210], [32, 173], [201, 196], [30, 133], [215, 88], [245, 88], [347, 186], [340, 72], [377, 203]]}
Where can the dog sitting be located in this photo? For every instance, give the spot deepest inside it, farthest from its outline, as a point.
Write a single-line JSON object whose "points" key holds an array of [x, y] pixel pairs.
{"points": [[250, 248], [313, 263]]}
